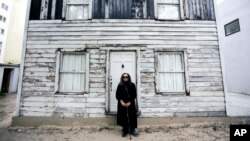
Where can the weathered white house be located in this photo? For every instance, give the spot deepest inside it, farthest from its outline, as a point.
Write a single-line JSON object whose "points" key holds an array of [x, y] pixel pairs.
{"points": [[76, 51]]}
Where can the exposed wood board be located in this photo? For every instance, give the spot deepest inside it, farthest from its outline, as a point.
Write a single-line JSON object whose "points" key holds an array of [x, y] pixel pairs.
{"points": [[123, 33], [206, 94], [213, 88], [37, 104], [35, 114], [122, 21], [44, 9], [53, 12], [134, 42], [205, 74], [182, 109], [38, 89], [55, 29], [38, 109], [214, 60], [182, 104], [141, 37], [159, 98], [167, 24], [38, 79], [204, 69], [30, 74], [38, 84], [202, 65], [205, 84]]}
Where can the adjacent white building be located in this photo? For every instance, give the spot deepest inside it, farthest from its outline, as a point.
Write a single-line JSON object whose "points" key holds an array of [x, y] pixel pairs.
{"points": [[12, 20], [233, 29], [4, 16]]}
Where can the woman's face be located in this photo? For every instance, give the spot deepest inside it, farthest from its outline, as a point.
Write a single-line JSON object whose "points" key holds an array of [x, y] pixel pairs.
{"points": [[125, 77]]}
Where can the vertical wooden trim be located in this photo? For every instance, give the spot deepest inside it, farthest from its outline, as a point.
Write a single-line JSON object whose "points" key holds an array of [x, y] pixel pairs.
{"points": [[181, 2], [145, 10], [155, 9], [64, 9], [20, 83], [44, 9], [186, 7], [87, 73], [157, 82], [58, 61], [90, 9], [212, 10], [186, 71], [107, 81], [198, 15], [138, 77], [53, 11], [106, 9]]}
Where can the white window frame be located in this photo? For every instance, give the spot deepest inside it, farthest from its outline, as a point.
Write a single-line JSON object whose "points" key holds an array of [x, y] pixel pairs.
{"points": [[167, 2], [59, 57], [157, 76], [67, 3]]}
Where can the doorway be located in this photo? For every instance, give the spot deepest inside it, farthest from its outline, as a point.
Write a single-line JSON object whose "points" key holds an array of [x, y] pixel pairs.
{"points": [[120, 62], [6, 80]]}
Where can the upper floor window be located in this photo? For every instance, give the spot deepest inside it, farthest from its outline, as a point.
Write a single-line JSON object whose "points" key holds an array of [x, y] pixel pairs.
{"points": [[4, 19], [167, 9], [2, 31], [78, 9]]}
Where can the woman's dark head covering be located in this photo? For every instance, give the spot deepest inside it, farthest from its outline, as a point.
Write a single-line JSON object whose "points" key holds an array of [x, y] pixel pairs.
{"points": [[121, 79]]}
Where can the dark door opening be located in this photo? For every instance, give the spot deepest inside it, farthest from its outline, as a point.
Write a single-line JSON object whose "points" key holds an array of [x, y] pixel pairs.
{"points": [[6, 80]]}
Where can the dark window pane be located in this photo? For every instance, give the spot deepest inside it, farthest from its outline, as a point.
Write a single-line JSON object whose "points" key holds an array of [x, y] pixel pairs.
{"points": [[232, 27]]}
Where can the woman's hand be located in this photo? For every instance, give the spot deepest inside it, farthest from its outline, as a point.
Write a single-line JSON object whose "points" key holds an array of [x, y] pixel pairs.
{"points": [[128, 104], [125, 104], [122, 103]]}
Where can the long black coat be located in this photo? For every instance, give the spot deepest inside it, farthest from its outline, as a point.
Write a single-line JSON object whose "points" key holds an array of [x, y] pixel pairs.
{"points": [[128, 95]]}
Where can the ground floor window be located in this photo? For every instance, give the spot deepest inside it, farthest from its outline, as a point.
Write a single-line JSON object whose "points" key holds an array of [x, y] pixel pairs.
{"points": [[171, 72], [72, 72]]}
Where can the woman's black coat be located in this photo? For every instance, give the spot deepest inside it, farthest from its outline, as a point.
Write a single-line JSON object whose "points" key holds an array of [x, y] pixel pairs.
{"points": [[128, 95]]}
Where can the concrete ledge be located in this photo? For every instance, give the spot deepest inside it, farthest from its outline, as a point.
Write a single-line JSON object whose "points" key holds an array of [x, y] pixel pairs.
{"points": [[111, 121]]}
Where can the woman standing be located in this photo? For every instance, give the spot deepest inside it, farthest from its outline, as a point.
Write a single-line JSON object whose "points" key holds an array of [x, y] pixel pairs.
{"points": [[126, 112]]}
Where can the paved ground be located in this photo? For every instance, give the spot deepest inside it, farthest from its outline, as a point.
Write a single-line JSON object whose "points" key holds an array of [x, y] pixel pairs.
{"points": [[7, 108], [238, 104], [168, 129]]}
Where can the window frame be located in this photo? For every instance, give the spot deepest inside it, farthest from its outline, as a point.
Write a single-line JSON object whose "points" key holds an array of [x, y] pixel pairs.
{"points": [[157, 76], [59, 57], [180, 7], [65, 11]]}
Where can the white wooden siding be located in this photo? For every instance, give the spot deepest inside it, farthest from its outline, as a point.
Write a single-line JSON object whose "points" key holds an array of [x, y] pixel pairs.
{"points": [[198, 38]]}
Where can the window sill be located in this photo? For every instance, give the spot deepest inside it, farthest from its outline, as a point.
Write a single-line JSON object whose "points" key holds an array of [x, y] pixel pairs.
{"points": [[172, 94], [71, 93]]}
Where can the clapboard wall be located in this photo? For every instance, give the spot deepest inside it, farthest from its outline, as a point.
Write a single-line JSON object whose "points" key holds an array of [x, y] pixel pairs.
{"points": [[197, 38]]}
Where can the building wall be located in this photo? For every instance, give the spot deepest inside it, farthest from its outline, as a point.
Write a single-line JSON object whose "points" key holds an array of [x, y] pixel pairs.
{"points": [[198, 39], [235, 48], [235, 54], [14, 40], [5, 8]]}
